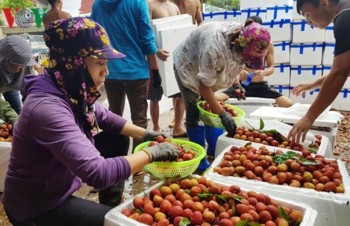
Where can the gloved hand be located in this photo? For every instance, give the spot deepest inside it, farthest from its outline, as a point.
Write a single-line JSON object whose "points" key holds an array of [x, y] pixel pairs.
{"points": [[162, 152], [157, 80], [150, 135], [228, 122], [239, 91]]}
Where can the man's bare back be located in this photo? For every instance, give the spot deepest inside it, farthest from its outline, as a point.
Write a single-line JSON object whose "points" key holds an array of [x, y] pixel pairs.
{"points": [[192, 7], [53, 15], [162, 8]]}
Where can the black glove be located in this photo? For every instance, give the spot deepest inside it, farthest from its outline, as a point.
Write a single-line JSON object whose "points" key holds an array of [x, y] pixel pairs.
{"points": [[162, 152], [150, 135], [157, 80], [228, 122], [239, 91]]}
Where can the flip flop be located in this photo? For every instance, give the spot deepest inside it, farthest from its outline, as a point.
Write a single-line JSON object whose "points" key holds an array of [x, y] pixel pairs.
{"points": [[181, 135]]}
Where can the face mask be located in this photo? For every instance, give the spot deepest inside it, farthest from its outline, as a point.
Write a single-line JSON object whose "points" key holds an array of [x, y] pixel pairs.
{"points": [[11, 68], [253, 62]]}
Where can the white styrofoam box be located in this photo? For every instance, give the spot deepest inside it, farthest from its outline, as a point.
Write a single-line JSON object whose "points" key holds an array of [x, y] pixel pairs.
{"points": [[169, 22], [5, 150], [328, 53], [341, 102], [282, 89], [223, 141], [308, 98], [306, 53], [281, 52], [295, 113], [281, 75], [303, 32], [327, 69], [300, 74], [250, 104], [267, 3], [234, 15], [115, 218], [333, 209], [296, 15], [280, 30], [246, 4], [246, 13], [329, 34], [169, 39], [277, 12]]}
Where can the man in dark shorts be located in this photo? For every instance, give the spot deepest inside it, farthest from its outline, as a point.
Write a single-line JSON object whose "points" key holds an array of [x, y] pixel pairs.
{"points": [[320, 14]]}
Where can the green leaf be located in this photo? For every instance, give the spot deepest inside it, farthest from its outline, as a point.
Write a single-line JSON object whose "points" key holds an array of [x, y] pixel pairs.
{"points": [[312, 150], [282, 213], [222, 197], [248, 144], [184, 222], [262, 124], [254, 224], [242, 223], [205, 195]]}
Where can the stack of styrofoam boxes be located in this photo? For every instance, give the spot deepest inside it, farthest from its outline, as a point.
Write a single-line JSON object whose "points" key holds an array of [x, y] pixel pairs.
{"points": [[72, 7], [278, 20], [342, 100], [233, 15], [305, 56]]}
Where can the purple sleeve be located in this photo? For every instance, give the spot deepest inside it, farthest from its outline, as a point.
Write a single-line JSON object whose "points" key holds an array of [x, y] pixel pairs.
{"points": [[57, 131], [107, 120]]}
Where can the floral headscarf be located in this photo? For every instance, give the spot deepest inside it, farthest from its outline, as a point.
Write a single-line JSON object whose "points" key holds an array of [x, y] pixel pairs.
{"points": [[69, 41], [254, 37]]}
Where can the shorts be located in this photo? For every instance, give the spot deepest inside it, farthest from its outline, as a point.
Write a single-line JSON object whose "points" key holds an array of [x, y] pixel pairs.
{"points": [[261, 89], [175, 95], [256, 89], [153, 94]]}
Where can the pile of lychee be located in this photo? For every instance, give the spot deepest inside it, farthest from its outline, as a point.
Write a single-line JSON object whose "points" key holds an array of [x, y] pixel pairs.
{"points": [[286, 168], [274, 138], [202, 202], [205, 106], [185, 154], [6, 132]]}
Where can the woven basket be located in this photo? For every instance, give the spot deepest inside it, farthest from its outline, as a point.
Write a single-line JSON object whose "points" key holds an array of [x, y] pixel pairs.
{"points": [[214, 120], [165, 170]]}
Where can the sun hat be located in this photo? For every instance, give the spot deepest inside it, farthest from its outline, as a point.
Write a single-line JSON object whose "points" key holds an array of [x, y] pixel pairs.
{"points": [[79, 36], [17, 50]]}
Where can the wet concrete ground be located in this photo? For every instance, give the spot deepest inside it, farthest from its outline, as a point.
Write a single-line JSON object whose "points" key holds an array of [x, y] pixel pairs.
{"points": [[137, 184]]}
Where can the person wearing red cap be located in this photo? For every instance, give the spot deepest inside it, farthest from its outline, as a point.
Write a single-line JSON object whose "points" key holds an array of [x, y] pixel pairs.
{"points": [[54, 150]]}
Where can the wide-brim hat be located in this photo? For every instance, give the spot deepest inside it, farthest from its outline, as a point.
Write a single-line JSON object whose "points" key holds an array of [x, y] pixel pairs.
{"points": [[79, 36]]}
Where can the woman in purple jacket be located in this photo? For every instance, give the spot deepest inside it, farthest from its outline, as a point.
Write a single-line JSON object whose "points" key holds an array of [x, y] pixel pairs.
{"points": [[54, 151]]}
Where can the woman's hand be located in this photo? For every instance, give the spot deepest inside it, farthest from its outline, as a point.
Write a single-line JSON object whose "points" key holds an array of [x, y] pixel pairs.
{"points": [[301, 89]]}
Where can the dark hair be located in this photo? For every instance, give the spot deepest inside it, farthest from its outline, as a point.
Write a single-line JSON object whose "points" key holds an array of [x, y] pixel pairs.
{"points": [[315, 3], [256, 19], [52, 2]]}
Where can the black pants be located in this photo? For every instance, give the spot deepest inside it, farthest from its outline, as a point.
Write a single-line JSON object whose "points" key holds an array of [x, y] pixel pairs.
{"points": [[76, 211]]}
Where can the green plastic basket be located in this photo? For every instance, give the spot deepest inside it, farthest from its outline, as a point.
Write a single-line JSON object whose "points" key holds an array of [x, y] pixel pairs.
{"points": [[214, 120], [165, 170]]}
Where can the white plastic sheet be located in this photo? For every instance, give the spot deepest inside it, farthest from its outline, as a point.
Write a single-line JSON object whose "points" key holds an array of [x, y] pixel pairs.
{"points": [[5, 150]]}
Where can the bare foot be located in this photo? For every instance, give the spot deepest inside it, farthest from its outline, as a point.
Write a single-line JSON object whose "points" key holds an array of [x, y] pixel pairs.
{"points": [[156, 129]]}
